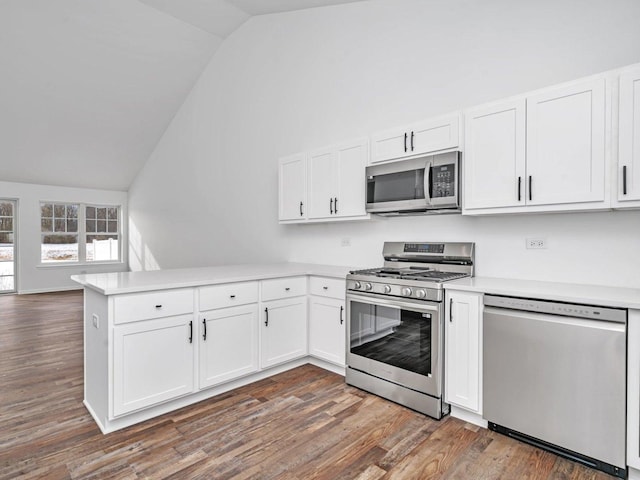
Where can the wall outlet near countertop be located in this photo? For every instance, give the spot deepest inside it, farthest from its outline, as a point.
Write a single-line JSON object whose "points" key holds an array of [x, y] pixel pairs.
{"points": [[536, 242], [345, 242], [96, 320]]}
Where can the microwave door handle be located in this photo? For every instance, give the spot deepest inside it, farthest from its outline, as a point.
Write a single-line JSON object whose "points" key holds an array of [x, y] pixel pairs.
{"points": [[427, 182]]}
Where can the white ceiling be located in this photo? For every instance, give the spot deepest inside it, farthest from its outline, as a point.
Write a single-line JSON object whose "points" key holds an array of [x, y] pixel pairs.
{"points": [[87, 87]]}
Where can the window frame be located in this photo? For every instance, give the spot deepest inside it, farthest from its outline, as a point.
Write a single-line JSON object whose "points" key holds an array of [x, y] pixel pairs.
{"points": [[82, 235]]}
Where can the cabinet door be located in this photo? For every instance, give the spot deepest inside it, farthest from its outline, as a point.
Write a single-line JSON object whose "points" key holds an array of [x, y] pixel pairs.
{"points": [[435, 134], [351, 161], [283, 334], [153, 361], [228, 344], [292, 186], [494, 157], [566, 144], [629, 140], [463, 326], [389, 145], [327, 330], [428, 136], [322, 183]]}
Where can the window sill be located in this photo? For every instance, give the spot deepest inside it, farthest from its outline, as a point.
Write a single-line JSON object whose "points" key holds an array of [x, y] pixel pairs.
{"points": [[78, 265]]}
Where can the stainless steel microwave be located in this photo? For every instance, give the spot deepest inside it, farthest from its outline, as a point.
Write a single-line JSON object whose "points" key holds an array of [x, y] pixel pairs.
{"points": [[422, 185]]}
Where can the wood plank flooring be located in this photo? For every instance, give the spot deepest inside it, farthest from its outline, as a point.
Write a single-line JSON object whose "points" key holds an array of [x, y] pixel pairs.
{"points": [[302, 424]]}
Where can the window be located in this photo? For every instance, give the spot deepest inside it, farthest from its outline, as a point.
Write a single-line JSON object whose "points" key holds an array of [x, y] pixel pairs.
{"points": [[79, 233]]}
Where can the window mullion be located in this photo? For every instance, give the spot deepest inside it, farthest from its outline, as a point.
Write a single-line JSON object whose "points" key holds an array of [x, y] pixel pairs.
{"points": [[82, 238]]}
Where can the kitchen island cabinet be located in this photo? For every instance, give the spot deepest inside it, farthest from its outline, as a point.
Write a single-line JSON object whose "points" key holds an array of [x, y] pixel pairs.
{"points": [[228, 339], [157, 341]]}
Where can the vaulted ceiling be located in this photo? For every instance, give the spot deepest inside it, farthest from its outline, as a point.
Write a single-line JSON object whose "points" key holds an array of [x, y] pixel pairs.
{"points": [[87, 87]]}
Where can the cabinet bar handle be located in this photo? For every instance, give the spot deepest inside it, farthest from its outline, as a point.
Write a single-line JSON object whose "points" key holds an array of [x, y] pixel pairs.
{"points": [[286, 289], [266, 316], [519, 187], [451, 310], [191, 331], [412, 135], [624, 179], [232, 296], [204, 324], [530, 194], [158, 306], [405, 141], [341, 317], [301, 209], [325, 288], [331, 206], [335, 205]]}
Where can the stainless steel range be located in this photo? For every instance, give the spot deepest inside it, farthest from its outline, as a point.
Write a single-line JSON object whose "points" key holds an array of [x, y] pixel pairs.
{"points": [[396, 322]]}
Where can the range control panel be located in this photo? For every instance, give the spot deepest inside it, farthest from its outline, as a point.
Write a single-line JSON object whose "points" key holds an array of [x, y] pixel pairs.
{"points": [[557, 308]]}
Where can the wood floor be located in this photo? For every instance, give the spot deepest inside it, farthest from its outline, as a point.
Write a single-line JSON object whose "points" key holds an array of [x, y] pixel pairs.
{"points": [[302, 424]]}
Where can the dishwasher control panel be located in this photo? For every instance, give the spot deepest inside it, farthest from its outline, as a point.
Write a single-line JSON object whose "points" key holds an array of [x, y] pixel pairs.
{"points": [[557, 308]]}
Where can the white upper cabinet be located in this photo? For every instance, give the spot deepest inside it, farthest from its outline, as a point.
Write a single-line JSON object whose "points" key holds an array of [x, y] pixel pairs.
{"points": [[566, 144], [540, 152], [494, 163], [627, 193], [335, 183], [428, 136], [292, 194]]}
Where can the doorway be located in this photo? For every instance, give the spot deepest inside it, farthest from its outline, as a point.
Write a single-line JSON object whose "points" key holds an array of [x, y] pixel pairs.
{"points": [[8, 246]]}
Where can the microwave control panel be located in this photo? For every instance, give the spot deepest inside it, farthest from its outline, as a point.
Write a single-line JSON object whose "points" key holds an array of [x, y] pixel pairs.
{"points": [[444, 180]]}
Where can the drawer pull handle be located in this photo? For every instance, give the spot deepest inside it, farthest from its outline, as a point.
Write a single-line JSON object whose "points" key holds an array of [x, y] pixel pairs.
{"points": [[232, 296], [287, 289], [325, 288], [158, 306]]}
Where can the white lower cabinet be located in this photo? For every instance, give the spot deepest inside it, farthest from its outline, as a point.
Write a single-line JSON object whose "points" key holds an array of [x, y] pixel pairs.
{"points": [[327, 330], [463, 350], [228, 344], [283, 334], [152, 362]]}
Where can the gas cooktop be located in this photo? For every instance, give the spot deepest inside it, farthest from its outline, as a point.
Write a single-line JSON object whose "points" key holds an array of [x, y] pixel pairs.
{"points": [[411, 273]]}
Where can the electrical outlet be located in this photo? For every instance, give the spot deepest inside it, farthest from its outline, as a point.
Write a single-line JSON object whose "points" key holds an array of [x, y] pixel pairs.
{"points": [[345, 242], [536, 242], [96, 320]]}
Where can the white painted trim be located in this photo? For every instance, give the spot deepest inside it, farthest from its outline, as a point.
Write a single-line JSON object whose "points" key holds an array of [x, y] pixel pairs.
{"points": [[467, 416], [48, 290]]}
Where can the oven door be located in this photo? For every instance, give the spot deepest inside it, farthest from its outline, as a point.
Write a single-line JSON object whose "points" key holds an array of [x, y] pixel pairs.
{"points": [[399, 341]]}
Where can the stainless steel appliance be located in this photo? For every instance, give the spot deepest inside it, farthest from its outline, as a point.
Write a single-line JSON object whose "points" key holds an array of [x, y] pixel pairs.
{"points": [[554, 376], [428, 184], [395, 322]]}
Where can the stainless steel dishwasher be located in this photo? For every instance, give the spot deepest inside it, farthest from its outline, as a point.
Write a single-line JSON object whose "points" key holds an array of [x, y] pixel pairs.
{"points": [[555, 377]]}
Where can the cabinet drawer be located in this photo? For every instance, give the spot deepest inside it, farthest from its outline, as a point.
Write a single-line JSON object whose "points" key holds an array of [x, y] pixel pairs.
{"points": [[228, 295], [327, 287], [283, 288], [144, 306]]}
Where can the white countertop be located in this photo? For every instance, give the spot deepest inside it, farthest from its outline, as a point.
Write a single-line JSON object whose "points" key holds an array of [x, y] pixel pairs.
{"points": [[131, 282], [563, 292]]}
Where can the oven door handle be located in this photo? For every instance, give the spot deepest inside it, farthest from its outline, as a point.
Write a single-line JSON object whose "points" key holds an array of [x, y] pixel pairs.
{"points": [[397, 304]]}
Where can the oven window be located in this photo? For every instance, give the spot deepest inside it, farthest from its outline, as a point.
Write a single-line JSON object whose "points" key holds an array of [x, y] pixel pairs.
{"points": [[401, 338], [394, 187]]}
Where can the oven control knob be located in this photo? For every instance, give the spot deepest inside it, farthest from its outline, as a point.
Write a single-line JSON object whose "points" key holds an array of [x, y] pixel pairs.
{"points": [[421, 293], [387, 289], [406, 291], [367, 286], [357, 285]]}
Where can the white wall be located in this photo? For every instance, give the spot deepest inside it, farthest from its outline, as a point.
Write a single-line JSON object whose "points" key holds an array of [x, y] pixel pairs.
{"points": [[292, 82], [33, 277]]}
